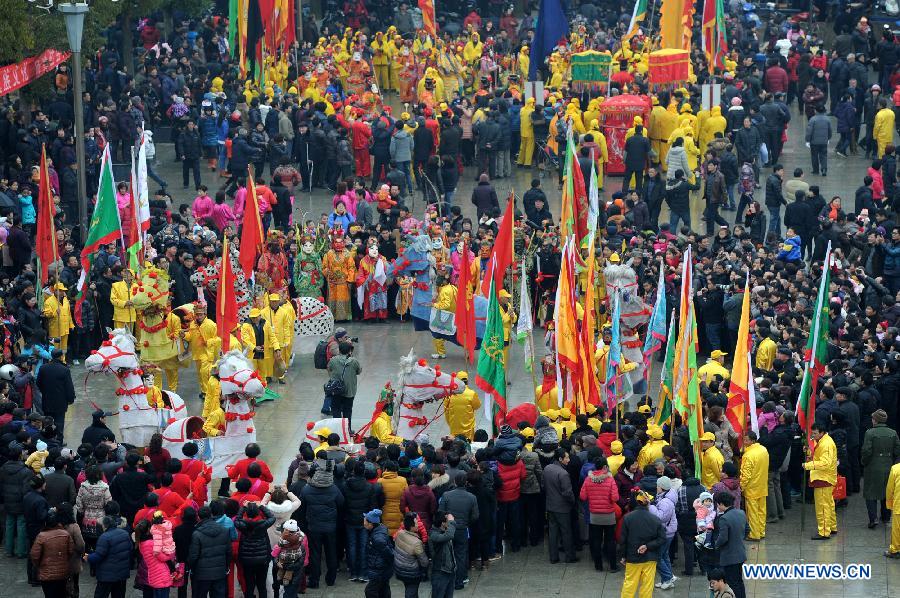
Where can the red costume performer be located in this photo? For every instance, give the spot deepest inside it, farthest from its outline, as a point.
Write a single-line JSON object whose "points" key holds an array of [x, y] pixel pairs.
{"points": [[360, 135]]}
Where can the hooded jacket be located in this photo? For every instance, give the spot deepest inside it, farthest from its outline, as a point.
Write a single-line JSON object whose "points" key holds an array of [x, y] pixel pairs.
{"points": [[360, 497], [254, 546], [600, 492], [322, 500]]}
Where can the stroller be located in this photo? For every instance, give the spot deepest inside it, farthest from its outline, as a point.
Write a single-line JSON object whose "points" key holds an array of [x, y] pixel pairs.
{"points": [[546, 159]]}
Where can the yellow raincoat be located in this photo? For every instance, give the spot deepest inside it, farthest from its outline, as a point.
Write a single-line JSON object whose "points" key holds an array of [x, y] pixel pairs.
{"points": [[823, 468], [119, 294], [266, 364], [883, 130], [460, 410], [755, 487], [668, 122], [711, 462], [59, 320], [714, 123], [474, 48], [893, 503], [381, 429], [380, 60], [651, 452], [526, 146]]}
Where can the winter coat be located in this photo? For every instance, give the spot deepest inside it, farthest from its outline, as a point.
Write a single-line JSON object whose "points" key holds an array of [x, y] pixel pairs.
{"points": [[678, 195], [158, 575], [507, 447], [322, 502], [641, 528], [880, 450], [684, 507], [512, 477], [253, 543], [50, 554], [111, 558], [393, 486], [558, 488], [778, 443], [419, 500], [846, 117], [401, 146], [534, 473], [484, 198], [440, 541], [747, 143], [818, 130], [360, 497], [210, 552], [600, 492], [462, 504], [91, 499], [379, 554], [190, 144], [676, 160], [731, 527], [14, 477], [774, 196], [410, 560], [664, 509], [209, 134]]}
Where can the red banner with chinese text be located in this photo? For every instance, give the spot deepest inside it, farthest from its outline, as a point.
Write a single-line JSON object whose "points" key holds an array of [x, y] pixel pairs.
{"points": [[15, 76]]}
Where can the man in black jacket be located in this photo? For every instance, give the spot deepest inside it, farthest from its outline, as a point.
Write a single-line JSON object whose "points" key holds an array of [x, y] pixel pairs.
{"points": [[488, 132], [55, 383], [484, 197], [184, 291], [210, 557], [778, 443], [14, 477], [360, 497], [777, 116], [775, 199], [281, 211], [189, 140], [129, 487], [637, 153], [653, 193], [798, 215], [678, 198], [641, 538]]}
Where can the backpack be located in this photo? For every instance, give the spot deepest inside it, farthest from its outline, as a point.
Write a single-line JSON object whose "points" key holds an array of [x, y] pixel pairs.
{"points": [[320, 357]]}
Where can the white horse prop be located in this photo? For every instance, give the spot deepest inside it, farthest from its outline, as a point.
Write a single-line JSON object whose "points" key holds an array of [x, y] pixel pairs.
{"points": [[241, 385], [633, 313], [138, 421], [420, 384]]}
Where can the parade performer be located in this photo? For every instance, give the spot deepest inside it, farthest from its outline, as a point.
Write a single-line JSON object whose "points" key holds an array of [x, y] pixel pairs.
{"points": [[473, 50], [358, 72], [371, 283], [272, 268], [396, 63], [546, 393], [308, 275], [379, 47], [712, 124], [161, 333], [755, 484], [667, 124], [59, 317], [284, 316], [124, 314], [893, 503], [205, 345], [714, 367], [822, 468], [259, 336], [456, 263], [381, 424], [460, 409], [408, 74], [653, 450], [711, 460], [526, 145], [443, 311], [340, 270]]}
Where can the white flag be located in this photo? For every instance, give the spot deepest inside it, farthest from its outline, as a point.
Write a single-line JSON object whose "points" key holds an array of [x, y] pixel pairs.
{"points": [[525, 325], [593, 200], [142, 195]]}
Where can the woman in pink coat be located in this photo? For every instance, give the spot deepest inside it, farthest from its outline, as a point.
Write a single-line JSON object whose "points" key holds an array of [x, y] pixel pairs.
{"points": [[601, 493], [159, 571]]}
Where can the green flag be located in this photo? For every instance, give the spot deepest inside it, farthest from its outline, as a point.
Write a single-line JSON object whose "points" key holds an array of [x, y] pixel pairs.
{"points": [[104, 227], [491, 370], [664, 409], [816, 351]]}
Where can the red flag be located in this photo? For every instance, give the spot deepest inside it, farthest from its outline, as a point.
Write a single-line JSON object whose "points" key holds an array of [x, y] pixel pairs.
{"points": [[502, 256], [226, 302], [580, 207], [46, 231], [465, 308], [251, 230]]}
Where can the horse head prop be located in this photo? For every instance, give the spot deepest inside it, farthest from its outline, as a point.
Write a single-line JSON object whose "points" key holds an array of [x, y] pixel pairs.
{"points": [[115, 354], [420, 383], [237, 376]]}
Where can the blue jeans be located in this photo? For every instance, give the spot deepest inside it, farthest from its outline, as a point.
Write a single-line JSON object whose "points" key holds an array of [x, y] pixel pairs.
{"points": [[731, 189], [152, 174], [664, 564], [775, 220], [326, 405], [442, 584], [675, 217], [448, 199], [461, 550], [404, 167], [356, 550], [714, 336], [15, 536]]}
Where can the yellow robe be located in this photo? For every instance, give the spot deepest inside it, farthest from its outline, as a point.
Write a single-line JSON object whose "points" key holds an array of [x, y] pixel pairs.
{"points": [[714, 123], [526, 146], [59, 318], [883, 129], [893, 503], [460, 410], [755, 487], [765, 354], [710, 369], [213, 398], [214, 423], [668, 122], [381, 429], [651, 452], [823, 468], [266, 364], [711, 462], [473, 49], [120, 293], [654, 125], [380, 61], [546, 400]]}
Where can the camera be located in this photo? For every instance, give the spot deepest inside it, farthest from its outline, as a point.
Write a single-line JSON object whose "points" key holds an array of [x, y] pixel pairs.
{"points": [[353, 339]]}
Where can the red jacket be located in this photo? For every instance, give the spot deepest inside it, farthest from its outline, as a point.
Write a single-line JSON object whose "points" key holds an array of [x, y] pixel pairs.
{"points": [[239, 469], [604, 441], [776, 79], [511, 476], [181, 483], [201, 474], [360, 133], [600, 493]]}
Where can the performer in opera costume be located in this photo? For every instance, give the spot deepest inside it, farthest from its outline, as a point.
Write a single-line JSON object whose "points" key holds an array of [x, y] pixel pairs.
{"points": [[371, 283], [340, 270]]}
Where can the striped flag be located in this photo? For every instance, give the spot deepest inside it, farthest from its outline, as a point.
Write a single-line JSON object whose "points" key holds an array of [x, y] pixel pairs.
{"points": [[686, 385], [428, 22], [656, 328], [664, 406], [590, 392], [614, 359], [491, 369], [637, 18], [816, 351]]}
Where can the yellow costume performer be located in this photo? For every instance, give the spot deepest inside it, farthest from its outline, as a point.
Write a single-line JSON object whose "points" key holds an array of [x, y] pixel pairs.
{"points": [[445, 303], [653, 450], [668, 122], [713, 367], [755, 486], [712, 124], [711, 460], [59, 317], [526, 145], [124, 314], [822, 477], [340, 271], [259, 335], [460, 409], [474, 47], [380, 60], [883, 129], [616, 459], [893, 503], [205, 345]]}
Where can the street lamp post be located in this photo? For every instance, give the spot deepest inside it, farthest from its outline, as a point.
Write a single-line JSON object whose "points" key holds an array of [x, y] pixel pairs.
{"points": [[74, 14]]}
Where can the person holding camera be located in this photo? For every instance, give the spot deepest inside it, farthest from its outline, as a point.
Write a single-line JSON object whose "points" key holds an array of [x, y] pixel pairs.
{"points": [[343, 370]]}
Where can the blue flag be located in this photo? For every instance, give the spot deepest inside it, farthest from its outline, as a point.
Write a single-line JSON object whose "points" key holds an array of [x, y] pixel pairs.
{"points": [[551, 26], [614, 360], [656, 329]]}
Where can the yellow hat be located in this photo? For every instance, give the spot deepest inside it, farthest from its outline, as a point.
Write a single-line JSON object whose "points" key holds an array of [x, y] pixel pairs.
{"points": [[462, 375], [590, 409], [644, 409], [686, 108], [708, 436], [552, 413], [565, 413], [614, 258], [323, 432], [594, 423], [616, 447], [274, 297], [60, 287], [606, 326], [404, 116], [638, 120], [255, 313], [504, 294], [643, 498], [655, 432], [715, 354], [654, 100], [527, 432]]}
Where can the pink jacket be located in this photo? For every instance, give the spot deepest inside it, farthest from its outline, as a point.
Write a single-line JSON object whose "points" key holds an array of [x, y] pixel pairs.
{"points": [[202, 208], [158, 575], [162, 538], [222, 216], [240, 200], [600, 493]]}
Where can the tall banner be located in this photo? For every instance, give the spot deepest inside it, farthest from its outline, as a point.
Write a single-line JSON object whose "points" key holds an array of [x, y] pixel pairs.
{"points": [[19, 75]]}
